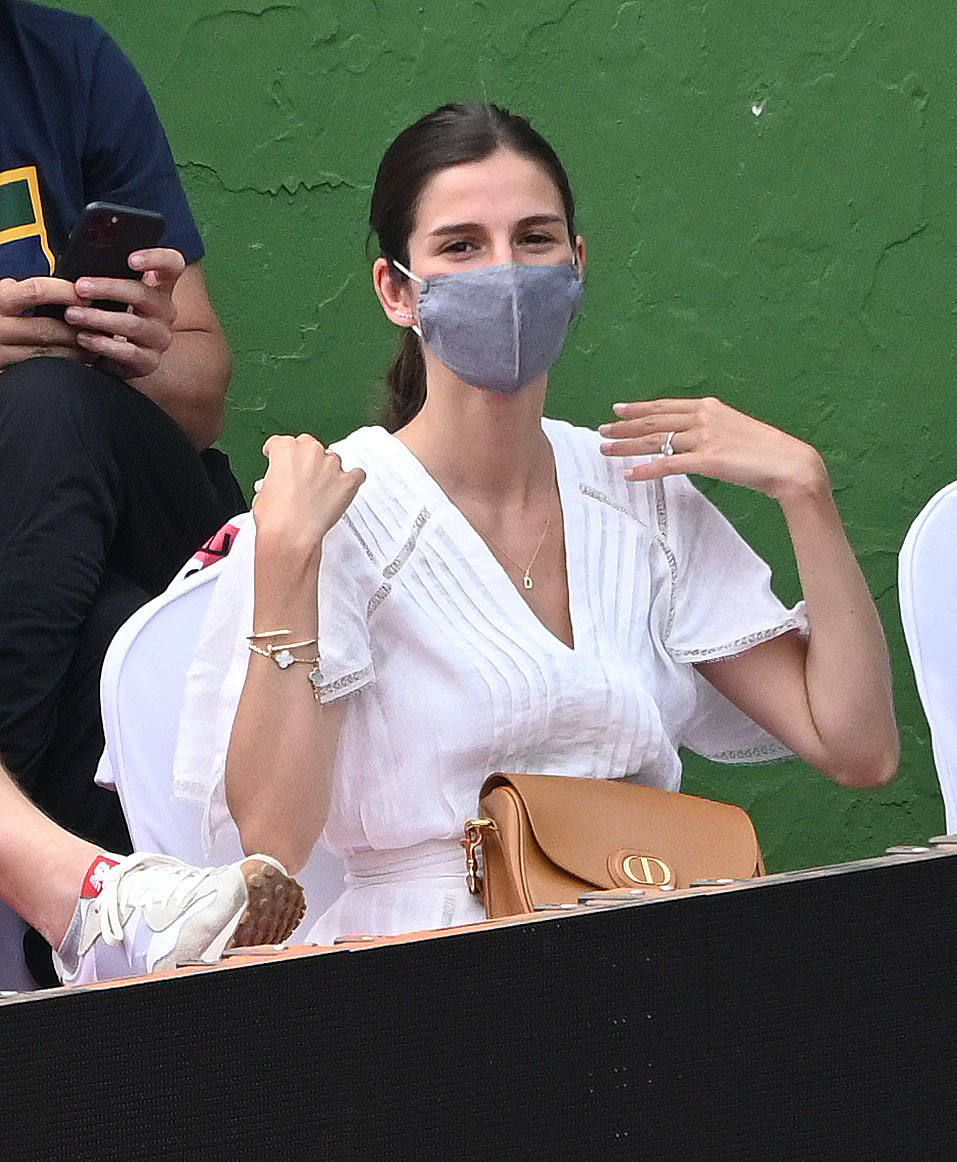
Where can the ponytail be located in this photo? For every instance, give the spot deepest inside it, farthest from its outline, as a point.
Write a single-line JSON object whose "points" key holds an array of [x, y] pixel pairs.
{"points": [[405, 383]]}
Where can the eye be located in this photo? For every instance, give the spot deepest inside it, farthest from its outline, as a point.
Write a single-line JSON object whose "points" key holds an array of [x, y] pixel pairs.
{"points": [[538, 238], [459, 246]]}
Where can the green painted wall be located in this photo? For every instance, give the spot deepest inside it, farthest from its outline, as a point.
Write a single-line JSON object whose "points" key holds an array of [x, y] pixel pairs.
{"points": [[768, 195]]}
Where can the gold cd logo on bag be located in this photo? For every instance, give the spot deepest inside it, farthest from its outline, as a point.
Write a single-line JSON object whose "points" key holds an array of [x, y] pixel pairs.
{"points": [[648, 871]]}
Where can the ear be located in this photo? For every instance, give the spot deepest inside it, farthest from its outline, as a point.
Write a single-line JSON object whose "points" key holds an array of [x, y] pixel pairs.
{"points": [[582, 251], [396, 293]]}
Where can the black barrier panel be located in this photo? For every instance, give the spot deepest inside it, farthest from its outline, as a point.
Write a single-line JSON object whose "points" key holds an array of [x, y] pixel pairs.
{"points": [[810, 1018]]}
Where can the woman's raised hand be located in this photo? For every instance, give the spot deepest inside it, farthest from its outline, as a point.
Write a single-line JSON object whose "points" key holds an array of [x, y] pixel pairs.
{"points": [[708, 438], [304, 492]]}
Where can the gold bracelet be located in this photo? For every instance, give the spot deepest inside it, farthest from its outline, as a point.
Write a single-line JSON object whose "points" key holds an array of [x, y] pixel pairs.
{"points": [[282, 655]]}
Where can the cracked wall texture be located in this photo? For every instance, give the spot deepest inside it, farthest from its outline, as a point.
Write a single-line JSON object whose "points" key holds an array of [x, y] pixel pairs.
{"points": [[768, 194]]}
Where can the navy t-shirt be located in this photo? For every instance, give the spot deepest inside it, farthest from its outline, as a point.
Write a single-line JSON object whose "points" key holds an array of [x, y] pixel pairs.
{"points": [[76, 125]]}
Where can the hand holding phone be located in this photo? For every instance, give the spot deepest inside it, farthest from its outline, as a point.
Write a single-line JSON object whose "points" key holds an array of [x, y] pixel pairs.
{"points": [[23, 335], [125, 314], [100, 246], [110, 302]]}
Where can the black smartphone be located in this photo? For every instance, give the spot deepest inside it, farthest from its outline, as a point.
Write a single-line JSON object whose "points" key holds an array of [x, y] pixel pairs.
{"points": [[100, 245]]}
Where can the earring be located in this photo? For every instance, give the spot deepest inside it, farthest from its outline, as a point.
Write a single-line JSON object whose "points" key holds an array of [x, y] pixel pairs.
{"points": [[404, 315]]}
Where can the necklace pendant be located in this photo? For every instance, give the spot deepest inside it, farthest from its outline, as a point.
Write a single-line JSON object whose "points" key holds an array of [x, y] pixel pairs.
{"points": [[527, 581]]}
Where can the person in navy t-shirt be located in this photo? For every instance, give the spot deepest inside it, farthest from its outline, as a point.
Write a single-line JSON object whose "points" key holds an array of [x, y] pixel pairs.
{"points": [[79, 126], [103, 492]]}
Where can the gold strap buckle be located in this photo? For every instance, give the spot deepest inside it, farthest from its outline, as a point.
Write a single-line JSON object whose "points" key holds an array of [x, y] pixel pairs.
{"points": [[471, 842]]}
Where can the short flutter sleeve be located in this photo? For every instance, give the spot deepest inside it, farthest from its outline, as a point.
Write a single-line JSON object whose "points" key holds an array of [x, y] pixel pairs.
{"points": [[345, 585], [721, 605]]}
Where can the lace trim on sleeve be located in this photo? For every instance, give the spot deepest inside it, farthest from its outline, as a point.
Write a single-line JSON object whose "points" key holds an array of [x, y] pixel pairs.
{"points": [[739, 645], [329, 691], [767, 752]]}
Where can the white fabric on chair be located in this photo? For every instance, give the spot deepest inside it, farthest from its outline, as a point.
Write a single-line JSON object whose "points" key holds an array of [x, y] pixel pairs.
{"points": [[927, 574], [141, 691]]}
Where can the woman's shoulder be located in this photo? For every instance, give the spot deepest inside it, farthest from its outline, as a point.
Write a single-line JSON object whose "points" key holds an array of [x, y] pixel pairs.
{"points": [[579, 458], [389, 500], [363, 447], [671, 506]]}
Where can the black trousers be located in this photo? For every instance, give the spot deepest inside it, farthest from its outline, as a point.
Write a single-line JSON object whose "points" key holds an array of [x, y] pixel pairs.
{"points": [[102, 499]]}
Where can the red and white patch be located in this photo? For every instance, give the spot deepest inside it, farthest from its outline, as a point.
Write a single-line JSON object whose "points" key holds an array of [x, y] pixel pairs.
{"points": [[217, 546], [93, 881]]}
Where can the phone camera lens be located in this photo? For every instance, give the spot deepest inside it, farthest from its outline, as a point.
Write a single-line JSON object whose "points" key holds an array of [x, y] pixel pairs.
{"points": [[101, 229]]}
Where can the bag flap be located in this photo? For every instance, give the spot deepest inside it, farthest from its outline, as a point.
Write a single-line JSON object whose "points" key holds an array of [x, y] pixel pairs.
{"points": [[586, 825]]}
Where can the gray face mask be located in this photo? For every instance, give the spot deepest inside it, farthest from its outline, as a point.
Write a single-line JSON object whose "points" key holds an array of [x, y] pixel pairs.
{"points": [[501, 327]]}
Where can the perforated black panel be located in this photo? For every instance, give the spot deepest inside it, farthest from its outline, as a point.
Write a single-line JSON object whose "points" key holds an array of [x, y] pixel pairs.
{"points": [[812, 1018]]}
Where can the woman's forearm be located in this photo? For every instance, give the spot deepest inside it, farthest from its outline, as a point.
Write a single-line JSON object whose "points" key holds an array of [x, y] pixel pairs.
{"points": [[830, 701], [847, 670], [282, 749]]}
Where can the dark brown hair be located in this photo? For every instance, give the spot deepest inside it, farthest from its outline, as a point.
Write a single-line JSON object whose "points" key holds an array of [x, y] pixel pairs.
{"points": [[451, 135]]}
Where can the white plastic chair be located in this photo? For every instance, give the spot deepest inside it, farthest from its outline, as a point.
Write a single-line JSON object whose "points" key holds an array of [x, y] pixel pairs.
{"points": [[141, 693], [927, 576]]}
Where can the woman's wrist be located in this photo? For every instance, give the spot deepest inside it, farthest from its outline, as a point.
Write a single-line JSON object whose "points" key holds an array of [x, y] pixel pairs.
{"points": [[806, 483], [281, 550], [286, 585]]}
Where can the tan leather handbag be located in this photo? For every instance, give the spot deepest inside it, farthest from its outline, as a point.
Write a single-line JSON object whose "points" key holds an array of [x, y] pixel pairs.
{"points": [[546, 839]]}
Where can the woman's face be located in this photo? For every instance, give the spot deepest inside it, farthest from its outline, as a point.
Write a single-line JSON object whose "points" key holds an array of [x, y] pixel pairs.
{"points": [[488, 213], [503, 209]]}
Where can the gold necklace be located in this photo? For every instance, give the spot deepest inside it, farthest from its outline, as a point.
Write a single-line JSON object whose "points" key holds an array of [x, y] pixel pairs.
{"points": [[527, 569]]}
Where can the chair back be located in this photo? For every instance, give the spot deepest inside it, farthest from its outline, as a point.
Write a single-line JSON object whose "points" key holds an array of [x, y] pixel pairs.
{"points": [[141, 693], [927, 575]]}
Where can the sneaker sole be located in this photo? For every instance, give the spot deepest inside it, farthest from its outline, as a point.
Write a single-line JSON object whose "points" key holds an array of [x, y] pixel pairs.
{"points": [[275, 905]]}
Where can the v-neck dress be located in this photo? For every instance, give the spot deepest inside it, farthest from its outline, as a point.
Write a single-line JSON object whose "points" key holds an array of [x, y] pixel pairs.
{"points": [[451, 676]]}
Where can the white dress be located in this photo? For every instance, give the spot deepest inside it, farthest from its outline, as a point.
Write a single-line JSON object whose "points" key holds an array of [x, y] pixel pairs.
{"points": [[450, 676]]}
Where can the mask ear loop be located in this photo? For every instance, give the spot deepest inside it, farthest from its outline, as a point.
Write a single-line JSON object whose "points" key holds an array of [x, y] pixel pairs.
{"points": [[408, 273]]}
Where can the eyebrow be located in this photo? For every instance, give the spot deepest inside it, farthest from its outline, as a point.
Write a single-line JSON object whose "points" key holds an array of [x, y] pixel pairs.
{"points": [[472, 227]]}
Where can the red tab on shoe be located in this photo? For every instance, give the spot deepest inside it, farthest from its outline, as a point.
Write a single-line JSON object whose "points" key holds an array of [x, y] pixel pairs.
{"points": [[93, 881]]}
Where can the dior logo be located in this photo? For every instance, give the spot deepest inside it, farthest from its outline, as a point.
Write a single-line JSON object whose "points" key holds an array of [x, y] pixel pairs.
{"points": [[629, 868]]}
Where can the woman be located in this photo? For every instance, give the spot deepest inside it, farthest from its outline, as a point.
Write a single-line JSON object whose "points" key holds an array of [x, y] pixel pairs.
{"points": [[499, 592]]}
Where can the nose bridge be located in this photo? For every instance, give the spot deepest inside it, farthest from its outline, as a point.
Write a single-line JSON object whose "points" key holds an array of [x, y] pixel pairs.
{"points": [[498, 242], [503, 251]]}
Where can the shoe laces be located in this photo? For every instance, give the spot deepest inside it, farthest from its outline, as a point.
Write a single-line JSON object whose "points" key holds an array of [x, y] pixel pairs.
{"points": [[143, 879]]}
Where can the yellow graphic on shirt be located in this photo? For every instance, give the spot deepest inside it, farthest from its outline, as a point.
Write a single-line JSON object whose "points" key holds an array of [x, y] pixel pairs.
{"points": [[21, 213]]}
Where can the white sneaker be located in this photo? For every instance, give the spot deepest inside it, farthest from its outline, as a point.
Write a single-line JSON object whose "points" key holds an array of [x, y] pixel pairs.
{"points": [[154, 912]]}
